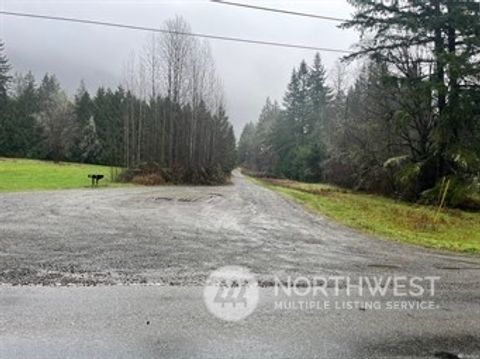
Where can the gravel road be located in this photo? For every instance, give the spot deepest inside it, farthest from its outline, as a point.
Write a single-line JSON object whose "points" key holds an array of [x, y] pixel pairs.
{"points": [[173, 237], [178, 235]]}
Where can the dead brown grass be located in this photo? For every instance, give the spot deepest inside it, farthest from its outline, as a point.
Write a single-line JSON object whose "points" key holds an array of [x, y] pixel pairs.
{"points": [[152, 179]]}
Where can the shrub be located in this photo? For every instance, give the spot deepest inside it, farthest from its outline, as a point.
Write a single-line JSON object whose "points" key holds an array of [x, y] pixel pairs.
{"points": [[460, 193], [152, 179]]}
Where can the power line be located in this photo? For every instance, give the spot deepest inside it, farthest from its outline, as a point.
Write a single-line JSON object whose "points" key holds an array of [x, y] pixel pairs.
{"points": [[262, 8], [151, 29]]}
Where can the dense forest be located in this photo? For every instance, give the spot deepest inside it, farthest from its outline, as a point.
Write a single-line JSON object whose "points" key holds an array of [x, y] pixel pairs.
{"points": [[407, 126], [165, 122]]}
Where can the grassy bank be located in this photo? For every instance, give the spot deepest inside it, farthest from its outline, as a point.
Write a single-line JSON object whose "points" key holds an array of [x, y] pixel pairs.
{"points": [[27, 175], [453, 230]]}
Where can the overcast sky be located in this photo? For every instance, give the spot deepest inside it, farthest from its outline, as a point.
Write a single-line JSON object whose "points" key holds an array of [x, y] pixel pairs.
{"points": [[250, 73]]}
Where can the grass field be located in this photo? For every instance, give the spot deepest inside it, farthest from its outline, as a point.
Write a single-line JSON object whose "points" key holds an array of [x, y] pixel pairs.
{"points": [[27, 175], [453, 230]]}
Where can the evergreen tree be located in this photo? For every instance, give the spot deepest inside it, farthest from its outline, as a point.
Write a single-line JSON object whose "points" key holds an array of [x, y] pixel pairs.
{"points": [[109, 111], [296, 102], [90, 149], [48, 91], [266, 158], [7, 124], [5, 77], [297, 134], [289, 130], [27, 136], [246, 148], [230, 150], [56, 119], [319, 95], [224, 146], [83, 106], [83, 113]]}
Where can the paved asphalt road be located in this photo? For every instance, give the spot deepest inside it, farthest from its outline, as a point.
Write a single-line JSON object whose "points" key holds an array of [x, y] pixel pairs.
{"points": [[147, 252]]}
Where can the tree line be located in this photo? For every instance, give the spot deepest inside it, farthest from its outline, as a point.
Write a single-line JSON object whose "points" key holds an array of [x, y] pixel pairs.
{"points": [[408, 126], [166, 121]]}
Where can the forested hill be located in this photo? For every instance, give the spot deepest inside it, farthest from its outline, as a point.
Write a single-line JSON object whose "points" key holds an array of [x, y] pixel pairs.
{"points": [[407, 127], [167, 117]]}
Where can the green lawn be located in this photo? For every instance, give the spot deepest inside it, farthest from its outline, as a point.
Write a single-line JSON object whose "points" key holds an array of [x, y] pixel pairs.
{"points": [[27, 175], [453, 230]]}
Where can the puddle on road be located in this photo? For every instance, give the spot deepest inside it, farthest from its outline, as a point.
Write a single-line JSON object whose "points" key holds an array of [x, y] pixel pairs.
{"points": [[209, 198], [383, 266], [166, 199]]}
